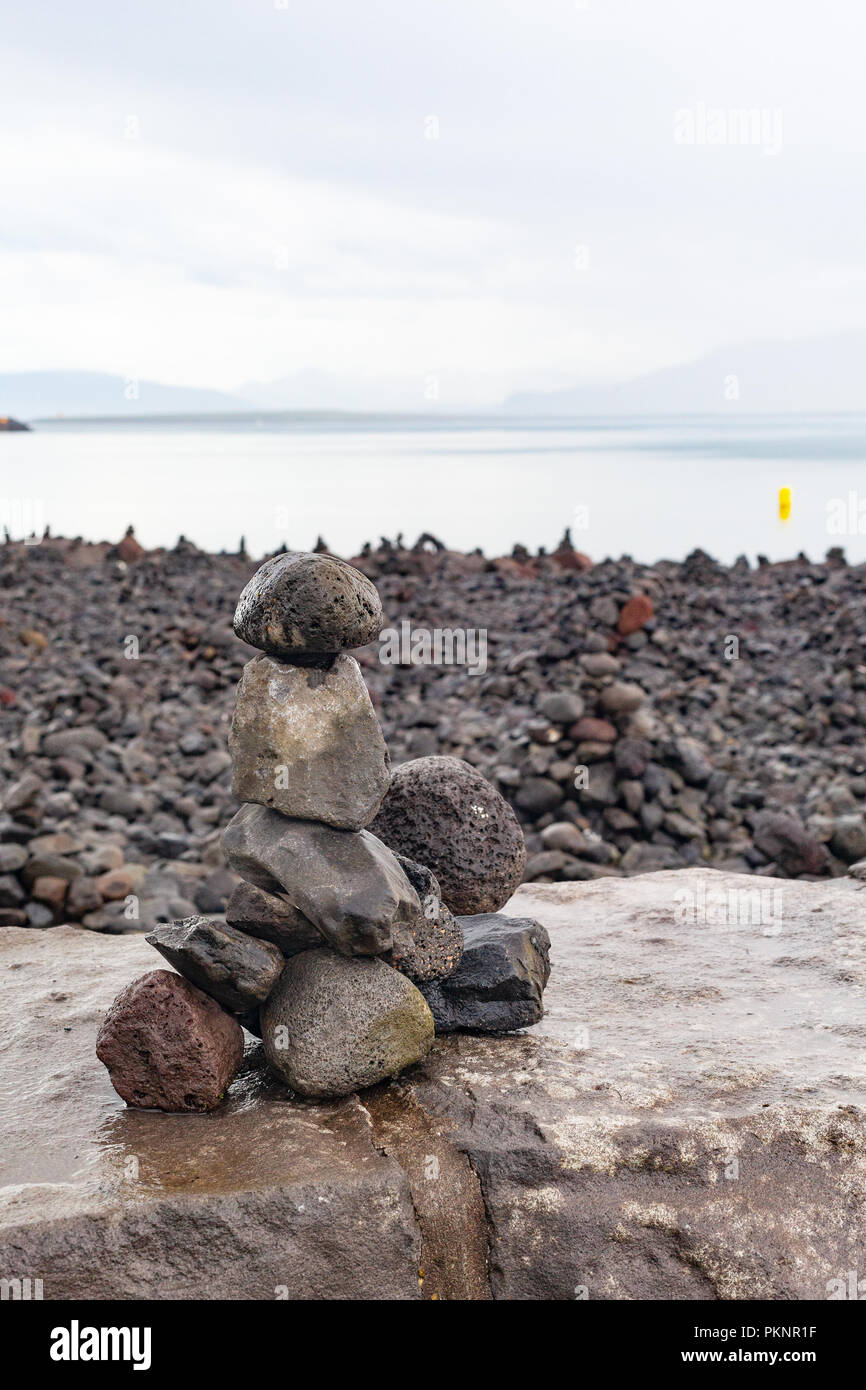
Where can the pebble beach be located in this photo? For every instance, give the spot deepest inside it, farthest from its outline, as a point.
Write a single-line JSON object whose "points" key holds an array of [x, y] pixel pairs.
{"points": [[636, 717]]}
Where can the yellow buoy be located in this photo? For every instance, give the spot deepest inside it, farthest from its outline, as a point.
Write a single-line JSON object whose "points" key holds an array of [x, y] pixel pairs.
{"points": [[784, 503]]}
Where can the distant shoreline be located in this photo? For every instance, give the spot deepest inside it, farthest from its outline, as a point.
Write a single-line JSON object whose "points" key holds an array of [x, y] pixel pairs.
{"points": [[426, 555], [491, 419]]}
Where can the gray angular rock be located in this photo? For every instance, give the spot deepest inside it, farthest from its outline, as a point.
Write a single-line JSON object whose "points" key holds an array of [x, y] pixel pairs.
{"points": [[441, 812], [498, 984], [270, 918], [300, 603], [432, 947], [237, 970], [347, 883], [306, 741], [333, 1025]]}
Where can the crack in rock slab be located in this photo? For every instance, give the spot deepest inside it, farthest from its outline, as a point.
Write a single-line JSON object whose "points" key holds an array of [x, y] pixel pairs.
{"points": [[446, 1192]]}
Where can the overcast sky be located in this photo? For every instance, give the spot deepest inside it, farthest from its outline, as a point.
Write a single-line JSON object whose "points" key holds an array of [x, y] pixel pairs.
{"points": [[209, 192]]}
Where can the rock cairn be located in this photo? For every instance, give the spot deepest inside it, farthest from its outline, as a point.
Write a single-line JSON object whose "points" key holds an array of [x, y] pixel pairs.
{"points": [[339, 948]]}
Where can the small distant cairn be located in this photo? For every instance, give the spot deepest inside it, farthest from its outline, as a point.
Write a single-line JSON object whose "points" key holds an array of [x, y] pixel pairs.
{"points": [[340, 950]]}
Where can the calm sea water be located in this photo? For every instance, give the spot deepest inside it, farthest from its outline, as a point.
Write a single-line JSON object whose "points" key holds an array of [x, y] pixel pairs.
{"points": [[649, 488]]}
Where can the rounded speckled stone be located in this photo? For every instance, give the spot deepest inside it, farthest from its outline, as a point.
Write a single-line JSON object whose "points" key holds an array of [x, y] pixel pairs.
{"points": [[442, 813], [300, 604], [335, 1024]]}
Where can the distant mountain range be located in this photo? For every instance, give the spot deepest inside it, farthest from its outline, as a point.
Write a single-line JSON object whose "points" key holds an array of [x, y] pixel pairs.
{"points": [[824, 374], [819, 374], [45, 395]]}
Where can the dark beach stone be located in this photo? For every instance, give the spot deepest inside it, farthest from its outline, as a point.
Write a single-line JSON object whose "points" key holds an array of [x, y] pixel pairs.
{"points": [[214, 891], [237, 970], [545, 864], [270, 918], [785, 842], [848, 840], [561, 706], [335, 1025], [307, 742], [347, 883], [67, 742], [690, 760], [12, 917], [538, 795], [631, 757], [592, 730], [442, 813], [498, 984], [12, 858], [562, 835], [49, 865], [22, 792], [600, 663], [38, 915], [11, 892], [622, 697], [168, 1046], [303, 603]]}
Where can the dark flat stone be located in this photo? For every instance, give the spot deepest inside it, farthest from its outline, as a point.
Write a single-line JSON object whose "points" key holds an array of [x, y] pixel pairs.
{"points": [[498, 984], [237, 970]]}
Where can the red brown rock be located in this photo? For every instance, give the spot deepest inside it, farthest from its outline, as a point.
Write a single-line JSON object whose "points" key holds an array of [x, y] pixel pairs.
{"points": [[571, 560], [634, 615], [167, 1046], [50, 890], [129, 548], [515, 569], [117, 883], [594, 730]]}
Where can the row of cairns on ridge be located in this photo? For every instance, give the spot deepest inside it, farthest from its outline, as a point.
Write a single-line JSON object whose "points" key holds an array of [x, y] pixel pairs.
{"points": [[345, 948]]}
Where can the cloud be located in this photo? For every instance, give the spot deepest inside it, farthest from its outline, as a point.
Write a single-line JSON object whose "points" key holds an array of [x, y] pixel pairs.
{"points": [[218, 191]]}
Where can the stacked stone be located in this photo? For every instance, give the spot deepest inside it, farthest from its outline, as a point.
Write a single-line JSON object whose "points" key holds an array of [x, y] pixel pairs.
{"points": [[338, 949]]}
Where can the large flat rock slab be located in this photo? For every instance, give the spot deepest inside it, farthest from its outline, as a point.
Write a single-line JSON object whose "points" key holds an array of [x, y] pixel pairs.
{"points": [[687, 1122]]}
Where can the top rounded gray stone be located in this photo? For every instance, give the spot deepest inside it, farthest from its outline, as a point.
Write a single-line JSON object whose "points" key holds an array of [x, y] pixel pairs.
{"points": [[304, 604]]}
